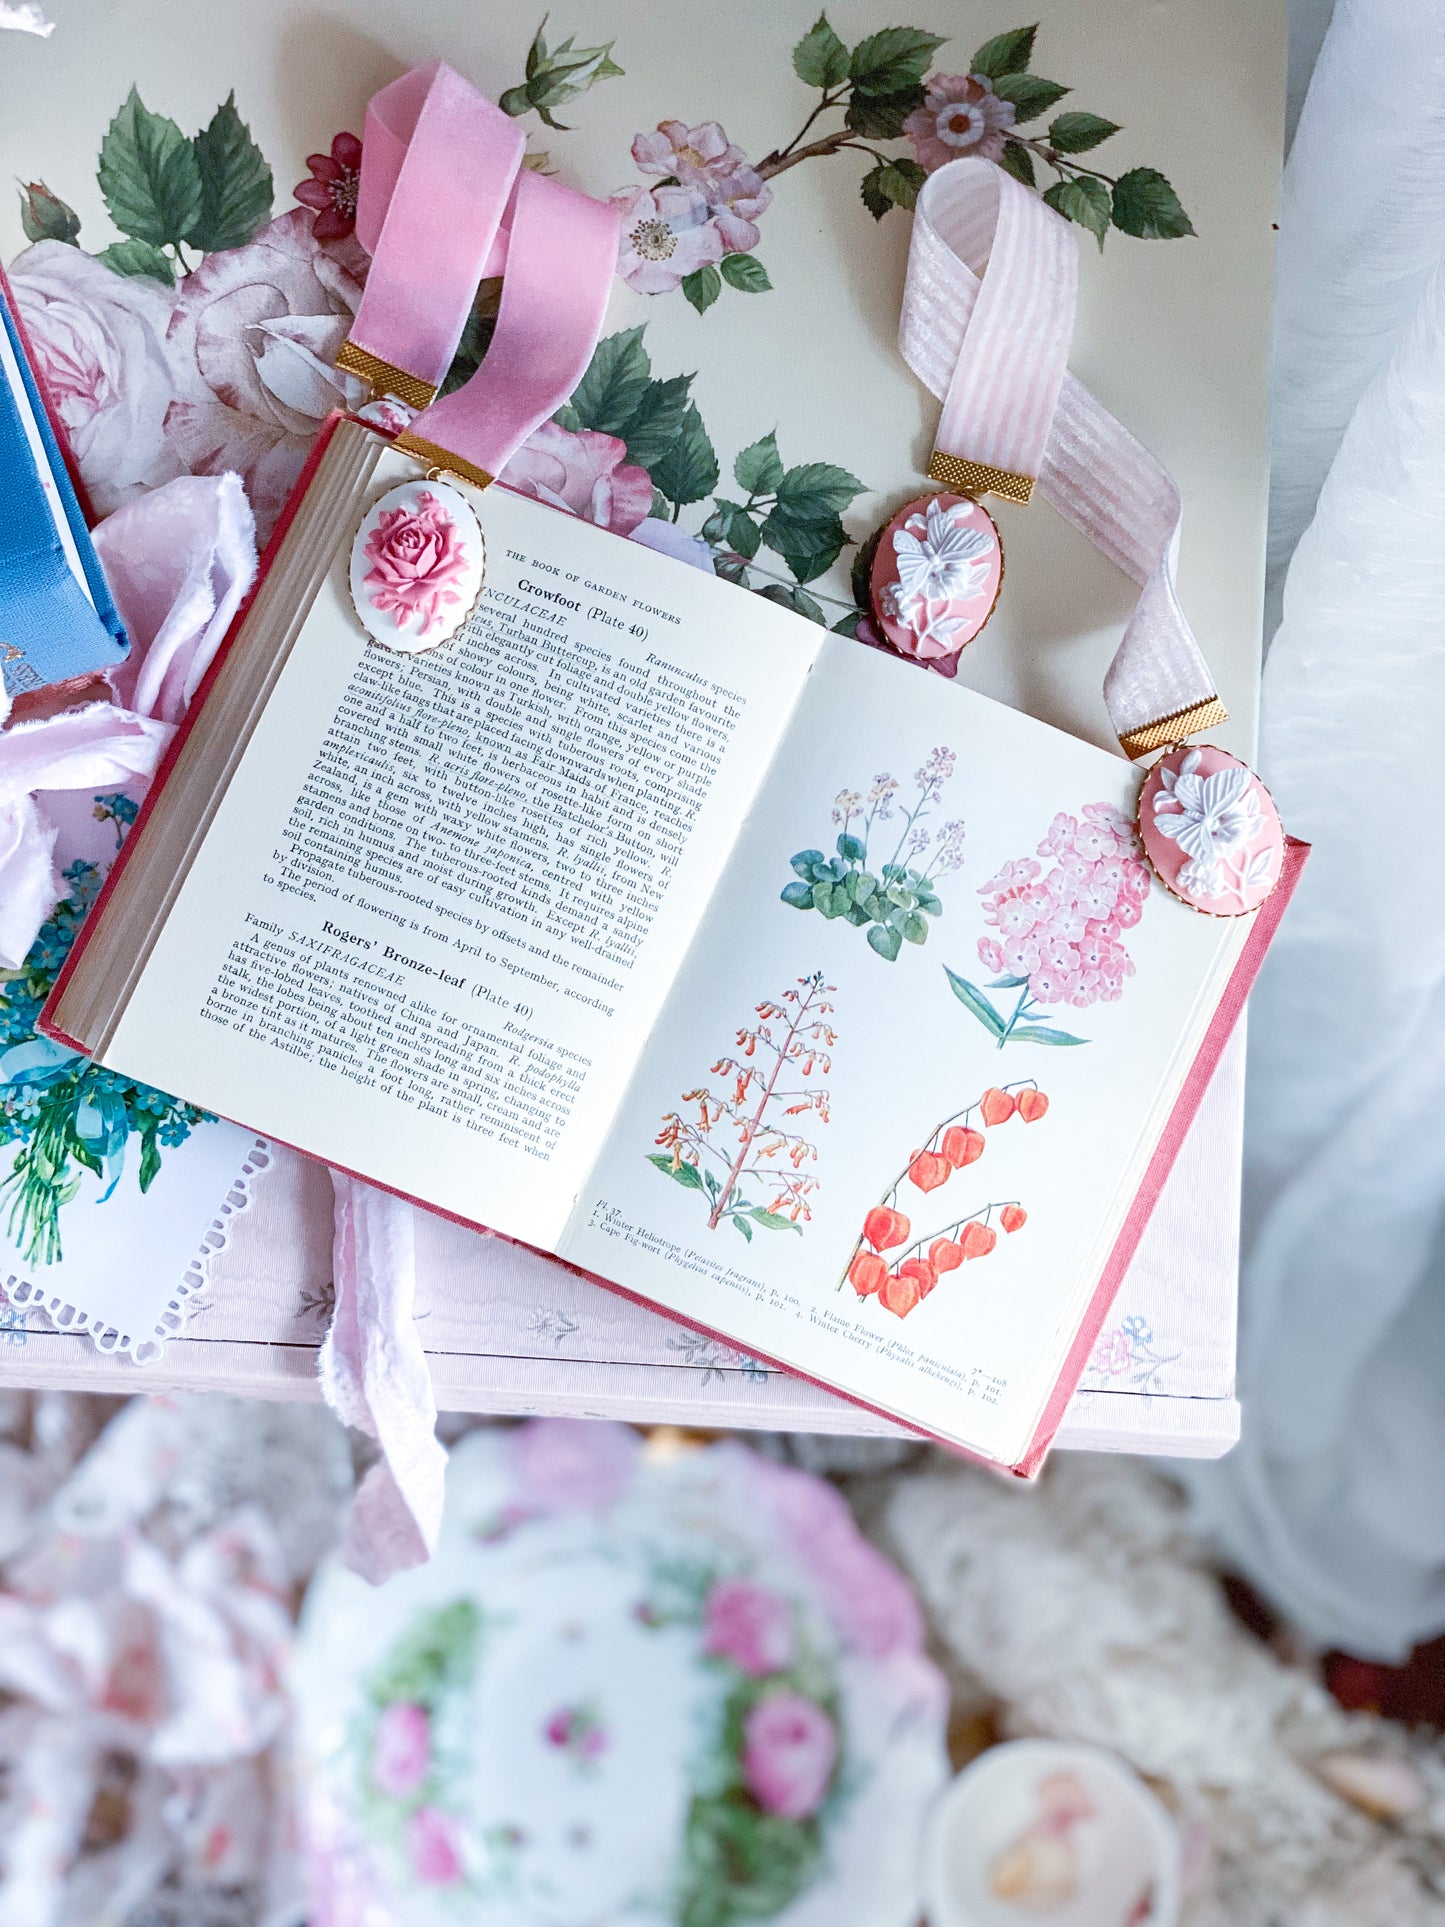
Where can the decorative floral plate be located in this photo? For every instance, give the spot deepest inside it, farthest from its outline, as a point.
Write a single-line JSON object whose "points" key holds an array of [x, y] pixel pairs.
{"points": [[629, 1688]]}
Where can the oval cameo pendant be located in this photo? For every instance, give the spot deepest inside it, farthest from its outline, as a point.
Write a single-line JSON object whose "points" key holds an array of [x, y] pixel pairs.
{"points": [[417, 565], [1211, 831], [936, 575]]}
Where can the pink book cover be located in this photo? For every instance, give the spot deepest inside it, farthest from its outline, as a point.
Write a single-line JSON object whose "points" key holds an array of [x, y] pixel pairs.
{"points": [[1225, 1016]]}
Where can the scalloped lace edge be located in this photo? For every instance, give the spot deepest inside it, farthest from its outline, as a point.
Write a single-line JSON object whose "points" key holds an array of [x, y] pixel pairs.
{"points": [[146, 1348]]}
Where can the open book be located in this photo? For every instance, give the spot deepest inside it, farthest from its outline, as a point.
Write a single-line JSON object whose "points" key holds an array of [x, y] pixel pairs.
{"points": [[822, 1004]]}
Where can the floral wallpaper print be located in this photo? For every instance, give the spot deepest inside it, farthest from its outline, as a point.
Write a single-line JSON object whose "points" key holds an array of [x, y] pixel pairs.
{"points": [[1059, 934], [1129, 1351], [791, 1039], [895, 905], [693, 222], [900, 1270], [774, 1760], [63, 1115], [405, 1770]]}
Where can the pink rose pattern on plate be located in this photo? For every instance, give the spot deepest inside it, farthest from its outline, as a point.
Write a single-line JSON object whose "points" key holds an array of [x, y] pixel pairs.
{"points": [[416, 565]]}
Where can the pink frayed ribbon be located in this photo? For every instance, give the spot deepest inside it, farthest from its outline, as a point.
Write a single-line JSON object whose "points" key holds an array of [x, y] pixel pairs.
{"points": [[375, 1377], [98, 747], [179, 562]]}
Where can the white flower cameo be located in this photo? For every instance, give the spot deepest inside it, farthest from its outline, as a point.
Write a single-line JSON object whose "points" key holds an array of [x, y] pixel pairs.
{"points": [[1213, 819], [940, 559]]}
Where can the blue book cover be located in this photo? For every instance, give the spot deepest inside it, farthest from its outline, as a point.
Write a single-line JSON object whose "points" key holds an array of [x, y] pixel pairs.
{"points": [[57, 616]]}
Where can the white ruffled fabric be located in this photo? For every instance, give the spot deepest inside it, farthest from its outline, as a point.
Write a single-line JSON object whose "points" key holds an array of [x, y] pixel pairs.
{"points": [[1333, 1502]]}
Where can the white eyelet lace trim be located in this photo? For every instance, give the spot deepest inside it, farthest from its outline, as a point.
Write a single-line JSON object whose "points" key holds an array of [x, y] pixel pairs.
{"points": [[146, 1348]]}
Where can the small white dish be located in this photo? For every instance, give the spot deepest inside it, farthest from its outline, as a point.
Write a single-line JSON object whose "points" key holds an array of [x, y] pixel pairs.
{"points": [[1071, 1834]]}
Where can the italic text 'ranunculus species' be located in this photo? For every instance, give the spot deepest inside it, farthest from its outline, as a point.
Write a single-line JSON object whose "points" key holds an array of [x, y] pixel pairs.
{"points": [[417, 558], [750, 1626], [789, 1749], [400, 1749]]}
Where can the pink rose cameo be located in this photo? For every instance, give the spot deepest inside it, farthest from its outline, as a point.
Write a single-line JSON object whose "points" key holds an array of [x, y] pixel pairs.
{"points": [[416, 565]]}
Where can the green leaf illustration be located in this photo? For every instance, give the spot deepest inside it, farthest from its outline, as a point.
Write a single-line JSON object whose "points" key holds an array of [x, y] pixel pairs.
{"points": [[648, 431], [557, 76], [897, 57], [740, 1223], [149, 175], [1077, 133], [1043, 1034], [1018, 161], [796, 599], [1030, 94], [702, 287], [891, 184], [886, 941], [731, 525], [1085, 201], [686, 1174], [773, 1220], [975, 1001], [880, 117], [150, 1157], [818, 487], [799, 895], [758, 469], [612, 390], [1006, 53], [138, 257], [805, 861], [45, 217], [915, 927], [745, 272], [852, 849], [236, 184], [1146, 205], [688, 469], [820, 59]]}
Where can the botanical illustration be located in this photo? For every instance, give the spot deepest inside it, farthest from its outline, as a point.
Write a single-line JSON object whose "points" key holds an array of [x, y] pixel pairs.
{"points": [[737, 1148], [141, 350], [65, 1115], [405, 1770], [896, 1267], [1058, 933], [753, 1838], [693, 224], [579, 1733], [893, 904]]}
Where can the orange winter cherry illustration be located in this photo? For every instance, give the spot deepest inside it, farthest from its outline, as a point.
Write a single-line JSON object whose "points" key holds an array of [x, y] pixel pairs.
{"points": [[891, 1264], [734, 1145]]}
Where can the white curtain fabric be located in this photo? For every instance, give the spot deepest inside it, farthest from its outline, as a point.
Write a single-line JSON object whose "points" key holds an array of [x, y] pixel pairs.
{"points": [[1334, 1502]]}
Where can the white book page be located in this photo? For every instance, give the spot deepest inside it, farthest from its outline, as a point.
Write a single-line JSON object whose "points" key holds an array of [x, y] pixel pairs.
{"points": [[445, 895], [975, 1358]]}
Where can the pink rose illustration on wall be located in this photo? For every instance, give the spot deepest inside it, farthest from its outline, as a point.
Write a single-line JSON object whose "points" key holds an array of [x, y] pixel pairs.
{"points": [[417, 564], [1058, 934]]}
